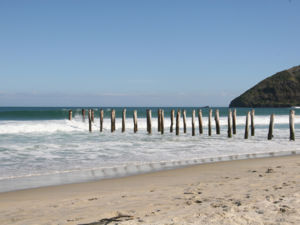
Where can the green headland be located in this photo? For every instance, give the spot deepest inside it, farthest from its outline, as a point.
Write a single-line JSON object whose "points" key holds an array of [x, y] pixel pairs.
{"points": [[279, 90]]}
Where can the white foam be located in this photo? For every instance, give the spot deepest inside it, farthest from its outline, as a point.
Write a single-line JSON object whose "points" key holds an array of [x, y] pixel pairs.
{"points": [[49, 147], [76, 125], [72, 176]]}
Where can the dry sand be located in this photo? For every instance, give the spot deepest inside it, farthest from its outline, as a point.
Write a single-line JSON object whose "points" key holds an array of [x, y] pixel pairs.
{"points": [[254, 191]]}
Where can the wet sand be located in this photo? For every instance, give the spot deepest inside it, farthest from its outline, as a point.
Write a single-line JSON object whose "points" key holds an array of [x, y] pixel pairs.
{"points": [[252, 191]]}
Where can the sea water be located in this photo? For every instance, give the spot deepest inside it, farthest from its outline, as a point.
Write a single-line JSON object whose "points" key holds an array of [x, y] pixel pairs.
{"points": [[41, 147]]}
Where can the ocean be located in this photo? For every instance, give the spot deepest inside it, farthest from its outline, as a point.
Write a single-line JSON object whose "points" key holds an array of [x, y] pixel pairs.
{"points": [[39, 146]]}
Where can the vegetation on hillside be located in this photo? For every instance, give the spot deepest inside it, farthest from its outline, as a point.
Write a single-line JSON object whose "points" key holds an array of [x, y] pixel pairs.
{"points": [[279, 90]]}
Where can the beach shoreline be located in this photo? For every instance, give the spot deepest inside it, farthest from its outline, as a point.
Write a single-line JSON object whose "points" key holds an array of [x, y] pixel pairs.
{"points": [[96, 174], [250, 191]]}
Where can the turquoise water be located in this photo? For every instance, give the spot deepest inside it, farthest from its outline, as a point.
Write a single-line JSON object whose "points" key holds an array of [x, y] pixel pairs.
{"points": [[40, 146], [57, 113]]}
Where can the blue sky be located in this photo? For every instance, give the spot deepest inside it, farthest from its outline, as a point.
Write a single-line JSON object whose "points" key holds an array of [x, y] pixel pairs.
{"points": [[142, 52]]}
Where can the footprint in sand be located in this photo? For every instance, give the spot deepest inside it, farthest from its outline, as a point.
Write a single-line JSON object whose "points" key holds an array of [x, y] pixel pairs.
{"points": [[285, 209], [188, 202], [270, 198], [259, 211], [276, 187], [269, 170]]}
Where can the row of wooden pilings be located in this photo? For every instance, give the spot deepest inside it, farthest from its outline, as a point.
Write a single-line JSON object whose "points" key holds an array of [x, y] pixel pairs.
{"points": [[160, 119]]}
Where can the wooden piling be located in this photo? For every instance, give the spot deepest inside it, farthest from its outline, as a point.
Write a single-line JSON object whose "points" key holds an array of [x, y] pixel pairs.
{"points": [[158, 120], [217, 120], [123, 120], [200, 121], [90, 120], [70, 114], [101, 119], [149, 124], [234, 121], [92, 116], [193, 122], [177, 121], [252, 122], [83, 115], [247, 126], [135, 123], [184, 120], [162, 118], [292, 125], [271, 126], [209, 121], [172, 120], [229, 134], [113, 120]]}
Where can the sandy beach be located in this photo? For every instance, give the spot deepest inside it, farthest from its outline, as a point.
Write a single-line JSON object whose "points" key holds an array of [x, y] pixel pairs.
{"points": [[253, 191]]}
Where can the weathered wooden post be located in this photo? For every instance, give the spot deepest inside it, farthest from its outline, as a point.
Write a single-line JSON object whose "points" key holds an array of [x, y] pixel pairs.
{"points": [[158, 120], [177, 121], [271, 126], [92, 115], [234, 122], [90, 120], [149, 124], [172, 120], [162, 118], [193, 122], [247, 126], [209, 121], [113, 120], [200, 121], [184, 120], [292, 126], [70, 114], [101, 119], [135, 124], [217, 120], [229, 123], [83, 115], [252, 122], [123, 120]]}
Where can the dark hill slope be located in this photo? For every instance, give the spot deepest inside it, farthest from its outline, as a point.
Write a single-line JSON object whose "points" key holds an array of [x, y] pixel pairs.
{"points": [[279, 90]]}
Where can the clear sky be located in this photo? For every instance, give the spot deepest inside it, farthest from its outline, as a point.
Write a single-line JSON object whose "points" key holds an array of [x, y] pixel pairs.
{"points": [[142, 52]]}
